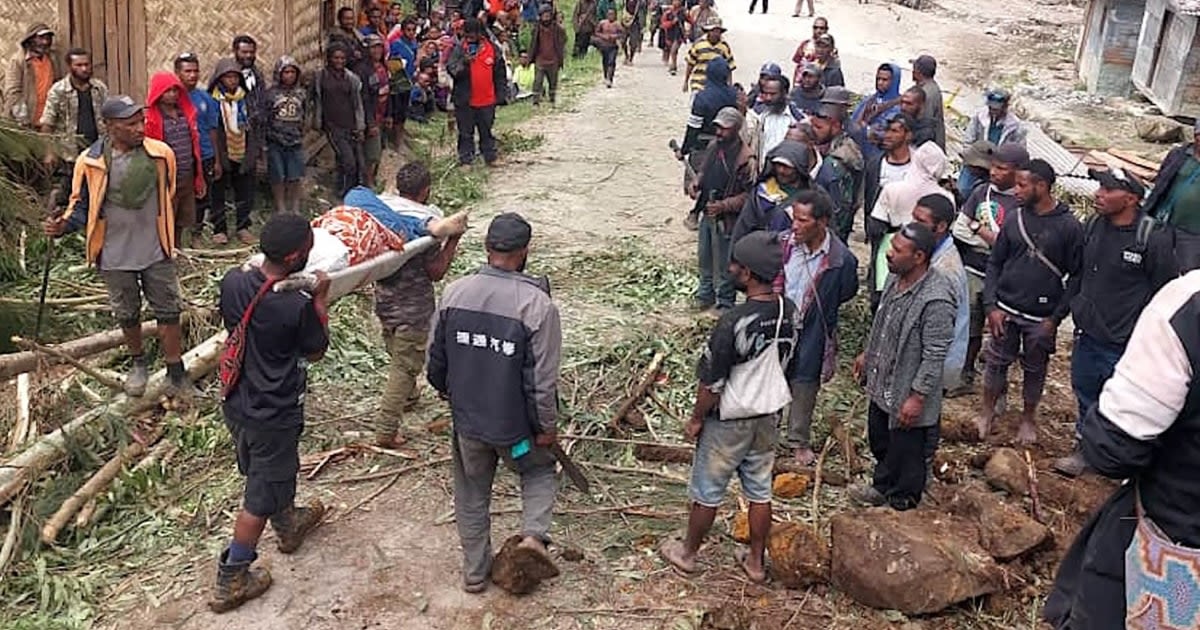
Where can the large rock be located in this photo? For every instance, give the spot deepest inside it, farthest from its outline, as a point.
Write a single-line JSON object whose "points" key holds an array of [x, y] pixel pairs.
{"points": [[789, 485], [1005, 531], [1006, 471], [799, 558], [519, 570], [915, 561]]}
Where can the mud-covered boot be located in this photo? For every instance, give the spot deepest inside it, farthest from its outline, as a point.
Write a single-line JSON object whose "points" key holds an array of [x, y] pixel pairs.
{"points": [[135, 381], [294, 524], [237, 583], [1072, 465]]}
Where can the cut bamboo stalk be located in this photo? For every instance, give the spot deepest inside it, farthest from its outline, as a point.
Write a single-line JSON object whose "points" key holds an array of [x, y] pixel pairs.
{"points": [[100, 377], [93, 486], [21, 426], [94, 510], [639, 391], [200, 361]]}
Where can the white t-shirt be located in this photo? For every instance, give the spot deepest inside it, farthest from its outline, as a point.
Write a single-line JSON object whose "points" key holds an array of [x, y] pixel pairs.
{"points": [[889, 172]]}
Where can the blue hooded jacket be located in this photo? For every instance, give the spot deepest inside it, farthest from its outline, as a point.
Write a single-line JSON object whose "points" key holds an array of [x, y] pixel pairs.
{"points": [[870, 150], [717, 94]]}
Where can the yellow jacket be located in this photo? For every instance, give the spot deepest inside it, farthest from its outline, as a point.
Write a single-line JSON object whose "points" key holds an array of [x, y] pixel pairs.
{"points": [[90, 183]]}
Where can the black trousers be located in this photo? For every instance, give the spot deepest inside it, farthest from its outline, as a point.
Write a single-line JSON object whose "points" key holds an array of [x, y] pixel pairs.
{"points": [[243, 198], [583, 39], [348, 154], [899, 459], [754, 2], [472, 119]]}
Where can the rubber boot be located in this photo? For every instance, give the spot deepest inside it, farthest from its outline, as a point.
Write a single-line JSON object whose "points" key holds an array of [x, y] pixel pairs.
{"points": [[135, 381], [1072, 465], [294, 524], [237, 583]]}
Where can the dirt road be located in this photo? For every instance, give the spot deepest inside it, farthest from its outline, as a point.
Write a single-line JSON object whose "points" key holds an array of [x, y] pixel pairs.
{"points": [[602, 171]]}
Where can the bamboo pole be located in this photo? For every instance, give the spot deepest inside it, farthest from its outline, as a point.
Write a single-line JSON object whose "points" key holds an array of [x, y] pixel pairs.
{"points": [[639, 391], [29, 464], [100, 377]]}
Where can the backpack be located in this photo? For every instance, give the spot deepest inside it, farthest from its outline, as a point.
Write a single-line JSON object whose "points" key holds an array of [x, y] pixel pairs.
{"points": [[1145, 227]]}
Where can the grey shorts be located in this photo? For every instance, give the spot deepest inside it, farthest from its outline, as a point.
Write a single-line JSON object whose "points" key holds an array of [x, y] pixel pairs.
{"points": [[975, 290], [745, 447], [158, 282]]}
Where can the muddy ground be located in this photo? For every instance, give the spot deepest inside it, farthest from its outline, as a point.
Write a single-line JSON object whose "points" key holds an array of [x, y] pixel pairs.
{"points": [[601, 172]]}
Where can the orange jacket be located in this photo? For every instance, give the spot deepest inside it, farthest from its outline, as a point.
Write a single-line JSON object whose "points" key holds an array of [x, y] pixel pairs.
{"points": [[90, 183]]}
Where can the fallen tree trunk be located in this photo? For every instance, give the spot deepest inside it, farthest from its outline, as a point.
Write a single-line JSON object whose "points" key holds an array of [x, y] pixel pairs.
{"points": [[200, 361], [15, 363]]}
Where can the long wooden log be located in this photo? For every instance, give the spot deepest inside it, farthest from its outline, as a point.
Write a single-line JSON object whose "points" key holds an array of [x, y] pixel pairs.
{"points": [[93, 511], [200, 361], [14, 363]]}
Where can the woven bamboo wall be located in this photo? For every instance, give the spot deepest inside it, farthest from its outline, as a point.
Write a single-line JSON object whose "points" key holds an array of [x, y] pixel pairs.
{"points": [[209, 29], [19, 15]]}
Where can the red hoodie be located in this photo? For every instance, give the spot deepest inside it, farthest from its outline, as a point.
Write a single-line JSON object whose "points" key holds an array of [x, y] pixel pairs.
{"points": [[160, 83]]}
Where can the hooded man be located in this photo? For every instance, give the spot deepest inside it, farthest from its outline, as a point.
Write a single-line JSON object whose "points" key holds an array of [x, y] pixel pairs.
{"points": [[785, 173], [896, 202], [1175, 199], [725, 177], [841, 172], [912, 104], [702, 52], [870, 117], [701, 128], [171, 118], [30, 74], [228, 89], [287, 110]]}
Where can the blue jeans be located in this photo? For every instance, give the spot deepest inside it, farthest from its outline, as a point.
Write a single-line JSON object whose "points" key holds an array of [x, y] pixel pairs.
{"points": [[1092, 364], [713, 249]]}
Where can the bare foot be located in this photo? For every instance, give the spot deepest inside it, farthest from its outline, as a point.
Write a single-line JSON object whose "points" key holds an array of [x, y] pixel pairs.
{"points": [[673, 551], [1027, 433], [390, 441], [983, 424], [453, 225], [804, 456], [752, 566]]}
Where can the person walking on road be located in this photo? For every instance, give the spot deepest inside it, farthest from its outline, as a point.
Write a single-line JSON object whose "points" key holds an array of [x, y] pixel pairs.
{"points": [[548, 45], [609, 33], [584, 20], [671, 34], [495, 356], [712, 46]]}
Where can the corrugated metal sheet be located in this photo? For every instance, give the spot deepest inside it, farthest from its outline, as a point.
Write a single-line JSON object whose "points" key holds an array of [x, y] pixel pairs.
{"points": [[1186, 7]]}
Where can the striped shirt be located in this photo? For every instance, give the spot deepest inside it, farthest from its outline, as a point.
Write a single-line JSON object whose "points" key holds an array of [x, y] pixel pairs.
{"points": [[698, 57]]}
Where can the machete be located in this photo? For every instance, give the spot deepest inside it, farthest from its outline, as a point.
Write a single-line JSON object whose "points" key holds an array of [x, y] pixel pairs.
{"points": [[570, 467]]}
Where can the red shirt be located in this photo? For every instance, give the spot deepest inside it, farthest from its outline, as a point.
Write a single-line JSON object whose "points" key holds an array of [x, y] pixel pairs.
{"points": [[483, 91]]}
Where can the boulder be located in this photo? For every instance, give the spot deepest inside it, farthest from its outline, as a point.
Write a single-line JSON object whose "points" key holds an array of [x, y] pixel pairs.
{"points": [[799, 558], [1006, 471], [915, 561], [789, 485], [519, 570], [1005, 531]]}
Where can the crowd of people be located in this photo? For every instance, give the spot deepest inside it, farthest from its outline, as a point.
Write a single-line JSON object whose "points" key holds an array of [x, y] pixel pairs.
{"points": [[981, 267]]}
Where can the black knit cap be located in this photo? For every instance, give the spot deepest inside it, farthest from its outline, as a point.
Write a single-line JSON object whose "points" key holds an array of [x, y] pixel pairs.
{"points": [[508, 232]]}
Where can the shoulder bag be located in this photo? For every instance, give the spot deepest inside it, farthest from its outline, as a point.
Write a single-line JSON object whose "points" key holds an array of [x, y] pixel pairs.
{"points": [[229, 369], [1033, 248], [1162, 578], [758, 386]]}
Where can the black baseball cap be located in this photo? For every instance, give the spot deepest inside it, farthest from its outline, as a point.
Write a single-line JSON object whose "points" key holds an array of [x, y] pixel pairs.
{"points": [[508, 232], [761, 253], [1118, 179], [119, 107]]}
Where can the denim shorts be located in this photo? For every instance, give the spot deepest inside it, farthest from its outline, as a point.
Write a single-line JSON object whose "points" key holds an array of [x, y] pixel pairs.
{"points": [[746, 447], [285, 164]]}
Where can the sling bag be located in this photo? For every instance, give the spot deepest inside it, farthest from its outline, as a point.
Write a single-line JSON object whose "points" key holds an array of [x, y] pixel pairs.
{"points": [[758, 386], [229, 369], [1159, 576]]}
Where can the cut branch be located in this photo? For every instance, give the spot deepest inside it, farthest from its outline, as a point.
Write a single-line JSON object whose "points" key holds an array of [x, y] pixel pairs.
{"points": [[100, 377], [1035, 503], [639, 391], [93, 486]]}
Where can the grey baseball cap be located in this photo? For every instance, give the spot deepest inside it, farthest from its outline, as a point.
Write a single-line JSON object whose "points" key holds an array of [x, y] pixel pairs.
{"points": [[119, 107], [508, 232]]}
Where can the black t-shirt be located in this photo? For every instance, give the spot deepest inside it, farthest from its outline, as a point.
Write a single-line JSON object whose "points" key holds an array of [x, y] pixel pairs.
{"points": [[283, 329], [1119, 278], [86, 124], [743, 333]]}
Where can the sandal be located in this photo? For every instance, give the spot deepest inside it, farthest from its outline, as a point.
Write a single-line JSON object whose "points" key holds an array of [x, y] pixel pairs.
{"points": [[741, 554], [672, 551]]}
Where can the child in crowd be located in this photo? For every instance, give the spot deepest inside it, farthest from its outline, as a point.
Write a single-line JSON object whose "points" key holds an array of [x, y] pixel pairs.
{"points": [[523, 76], [422, 101], [287, 109]]}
